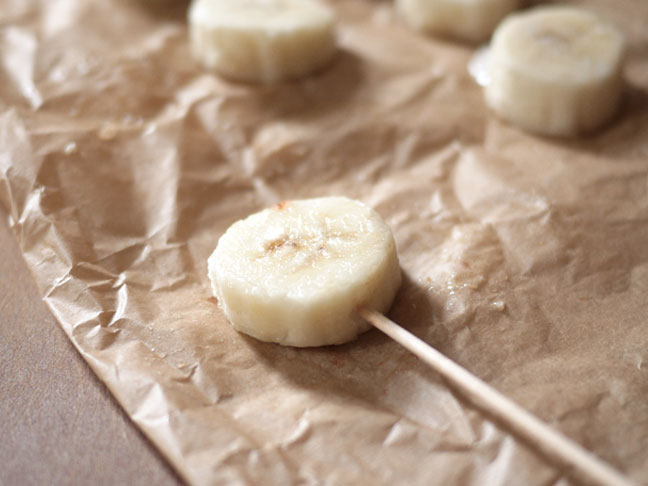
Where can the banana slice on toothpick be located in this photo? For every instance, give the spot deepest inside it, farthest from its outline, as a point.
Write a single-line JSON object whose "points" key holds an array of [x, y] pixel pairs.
{"points": [[262, 40], [469, 20], [296, 273], [555, 70]]}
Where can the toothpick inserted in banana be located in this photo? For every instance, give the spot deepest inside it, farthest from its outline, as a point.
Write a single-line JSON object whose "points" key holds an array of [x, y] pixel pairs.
{"points": [[320, 271]]}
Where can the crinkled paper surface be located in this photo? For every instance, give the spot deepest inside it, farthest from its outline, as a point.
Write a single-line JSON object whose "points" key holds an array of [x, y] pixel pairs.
{"points": [[525, 259]]}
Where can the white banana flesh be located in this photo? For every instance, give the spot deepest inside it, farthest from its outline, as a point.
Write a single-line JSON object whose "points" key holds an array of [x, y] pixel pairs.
{"points": [[262, 41], [296, 273], [468, 20], [555, 70]]}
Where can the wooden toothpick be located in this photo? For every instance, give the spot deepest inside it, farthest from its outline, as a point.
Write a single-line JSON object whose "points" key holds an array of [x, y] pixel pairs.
{"points": [[575, 459]]}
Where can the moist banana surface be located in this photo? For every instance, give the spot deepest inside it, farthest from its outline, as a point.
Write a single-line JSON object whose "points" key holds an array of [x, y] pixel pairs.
{"points": [[555, 70], [296, 273], [262, 41]]}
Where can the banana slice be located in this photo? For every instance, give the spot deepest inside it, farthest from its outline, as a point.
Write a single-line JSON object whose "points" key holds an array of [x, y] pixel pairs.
{"points": [[295, 273], [262, 40], [555, 70], [469, 20]]}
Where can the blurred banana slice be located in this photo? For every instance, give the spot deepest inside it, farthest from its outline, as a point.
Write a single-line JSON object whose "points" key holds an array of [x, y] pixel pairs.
{"points": [[262, 40], [295, 273], [468, 20], [555, 70]]}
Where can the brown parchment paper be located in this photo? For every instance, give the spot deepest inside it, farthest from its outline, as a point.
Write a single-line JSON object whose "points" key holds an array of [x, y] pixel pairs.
{"points": [[525, 259]]}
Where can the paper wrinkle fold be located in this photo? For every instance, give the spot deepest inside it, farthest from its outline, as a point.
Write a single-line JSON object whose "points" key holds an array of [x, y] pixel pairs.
{"points": [[524, 258]]}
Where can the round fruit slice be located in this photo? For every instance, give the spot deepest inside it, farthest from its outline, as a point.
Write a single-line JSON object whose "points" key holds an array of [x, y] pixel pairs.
{"points": [[555, 70], [262, 40], [296, 273]]}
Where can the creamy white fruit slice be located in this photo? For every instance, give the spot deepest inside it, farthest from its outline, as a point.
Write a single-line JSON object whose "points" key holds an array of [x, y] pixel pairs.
{"points": [[262, 40], [469, 20], [555, 70], [296, 273]]}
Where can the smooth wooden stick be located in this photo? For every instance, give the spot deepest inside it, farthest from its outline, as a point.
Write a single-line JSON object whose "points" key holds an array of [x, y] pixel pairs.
{"points": [[573, 457]]}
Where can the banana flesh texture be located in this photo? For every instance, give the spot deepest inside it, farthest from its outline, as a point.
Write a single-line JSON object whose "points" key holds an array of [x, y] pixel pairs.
{"points": [[295, 273], [262, 41], [555, 70], [468, 20]]}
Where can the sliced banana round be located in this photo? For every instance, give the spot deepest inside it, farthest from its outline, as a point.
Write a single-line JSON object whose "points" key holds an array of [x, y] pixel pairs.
{"points": [[295, 273], [469, 20], [262, 40], [555, 70]]}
